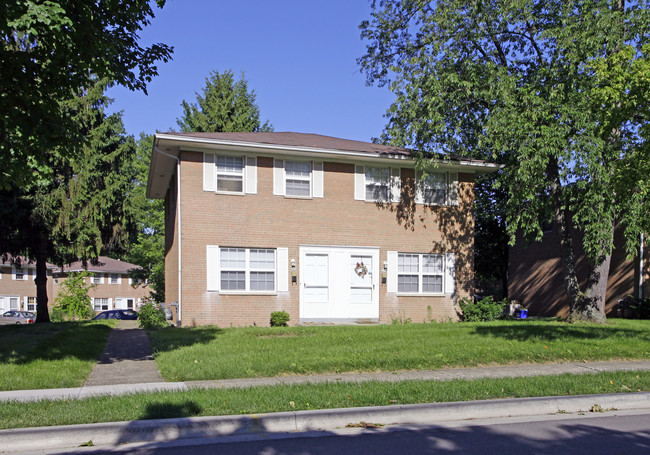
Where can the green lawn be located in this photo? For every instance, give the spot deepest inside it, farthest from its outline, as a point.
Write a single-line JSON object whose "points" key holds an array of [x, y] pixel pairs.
{"points": [[260, 400], [203, 353], [44, 356]]}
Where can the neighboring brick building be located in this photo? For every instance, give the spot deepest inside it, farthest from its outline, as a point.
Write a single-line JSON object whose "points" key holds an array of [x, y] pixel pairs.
{"points": [[17, 287], [113, 287], [324, 228], [536, 280]]}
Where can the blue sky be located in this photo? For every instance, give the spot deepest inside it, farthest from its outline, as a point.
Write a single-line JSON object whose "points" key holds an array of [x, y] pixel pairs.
{"points": [[298, 56]]}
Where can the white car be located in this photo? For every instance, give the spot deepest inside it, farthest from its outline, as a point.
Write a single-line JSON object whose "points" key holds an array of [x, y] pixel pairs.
{"points": [[17, 317]]}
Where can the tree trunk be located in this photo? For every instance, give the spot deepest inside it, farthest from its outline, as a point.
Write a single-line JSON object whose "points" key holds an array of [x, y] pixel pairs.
{"points": [[42, 312], [588, 306]]}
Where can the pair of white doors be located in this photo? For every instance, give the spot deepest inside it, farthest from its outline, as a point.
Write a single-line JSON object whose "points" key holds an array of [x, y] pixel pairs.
{"points": [[339, 283], [124, 303]]}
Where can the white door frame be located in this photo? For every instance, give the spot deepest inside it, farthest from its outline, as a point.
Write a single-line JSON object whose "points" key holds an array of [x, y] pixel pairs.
{"points": [[339, 306]]}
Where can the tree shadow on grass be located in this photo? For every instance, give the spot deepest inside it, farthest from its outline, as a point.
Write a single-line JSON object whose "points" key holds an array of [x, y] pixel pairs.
{"points": [[173, 338], [83, 340], [525, 332]]}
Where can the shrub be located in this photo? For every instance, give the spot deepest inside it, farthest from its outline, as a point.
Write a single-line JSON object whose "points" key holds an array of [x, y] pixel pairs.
{"points": [[73, 301], [642, 308], [486, 309], [279, 319], [152, 316]]}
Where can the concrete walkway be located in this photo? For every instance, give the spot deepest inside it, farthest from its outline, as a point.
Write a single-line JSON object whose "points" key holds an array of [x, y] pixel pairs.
{"points": [[127, 358]]}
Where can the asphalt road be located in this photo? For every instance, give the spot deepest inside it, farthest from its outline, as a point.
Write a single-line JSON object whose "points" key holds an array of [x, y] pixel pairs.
{"points": [[612, 432]]}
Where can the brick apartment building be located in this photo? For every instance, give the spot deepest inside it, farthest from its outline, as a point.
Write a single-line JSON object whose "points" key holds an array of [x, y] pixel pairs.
{"points": [[535, 276], [326, 229], [113, 288]]}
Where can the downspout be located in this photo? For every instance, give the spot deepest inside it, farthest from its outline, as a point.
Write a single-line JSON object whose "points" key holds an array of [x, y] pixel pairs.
{"points": [[178, 211], [641, 269]]}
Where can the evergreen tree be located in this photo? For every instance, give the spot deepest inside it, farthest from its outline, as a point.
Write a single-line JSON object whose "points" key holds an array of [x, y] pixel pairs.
{"points": [[226, 105], [81, 210], [555, 90]]}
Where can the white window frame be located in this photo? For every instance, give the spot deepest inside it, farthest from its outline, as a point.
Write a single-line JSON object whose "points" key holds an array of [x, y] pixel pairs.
{"points": [[423, 184], [421, 274], [24, 273], [97, 278], [316, 176], [6, 300], [451, 188], [309, 179], [247, 269], [99, 302], [114, 278], [27, 303], [381, 184], [241, 175], [393, 183]]}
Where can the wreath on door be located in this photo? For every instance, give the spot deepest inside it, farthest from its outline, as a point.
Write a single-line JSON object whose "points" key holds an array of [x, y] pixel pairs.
{"points": [[361, 270]]}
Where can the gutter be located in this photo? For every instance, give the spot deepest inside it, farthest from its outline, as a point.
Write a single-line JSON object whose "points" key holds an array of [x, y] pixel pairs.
{"points": [[178, 210], [641, 268], [477, 165]]}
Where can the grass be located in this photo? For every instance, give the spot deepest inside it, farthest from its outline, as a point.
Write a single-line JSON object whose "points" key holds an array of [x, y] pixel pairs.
{"points": [[261, 400], [204, 353], [43, 356]]}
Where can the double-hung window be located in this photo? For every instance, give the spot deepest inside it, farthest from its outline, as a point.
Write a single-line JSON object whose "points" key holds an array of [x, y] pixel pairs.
{"points": [[298, 178], [230, 174], [377, 183], [420, 273], [100, 304], [247, 269], [115, 279], [19, 274], [31, 304], [97, 278], [434, 188]]}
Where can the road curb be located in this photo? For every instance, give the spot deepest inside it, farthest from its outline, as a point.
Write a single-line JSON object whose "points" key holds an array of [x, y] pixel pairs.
{"points": [[139, 431]]}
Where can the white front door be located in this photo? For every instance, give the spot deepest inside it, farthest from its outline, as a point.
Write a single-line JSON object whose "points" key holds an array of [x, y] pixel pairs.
{"points": [[124, 303], [338, 283]]}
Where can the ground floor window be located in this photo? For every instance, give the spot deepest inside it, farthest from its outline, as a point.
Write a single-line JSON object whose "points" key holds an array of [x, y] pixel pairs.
{"points": [[247, 269], [420, 273], [31, 304], [100, 304]]}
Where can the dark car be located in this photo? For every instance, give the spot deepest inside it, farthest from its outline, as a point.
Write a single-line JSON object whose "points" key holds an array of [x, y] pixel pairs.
{"points": [[117, 314]]}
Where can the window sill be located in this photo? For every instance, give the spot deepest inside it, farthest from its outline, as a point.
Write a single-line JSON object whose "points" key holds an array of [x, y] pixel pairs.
{"points": [[230, 193], [418, 294], [288, 196], [246, 292]]}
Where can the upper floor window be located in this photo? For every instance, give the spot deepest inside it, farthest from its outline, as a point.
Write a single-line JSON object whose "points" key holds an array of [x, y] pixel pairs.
{"points": [[230, 174], [420, 273], [377, 184], [19, 274], [298, 178], [115, 278], [97, 278], [437, 188]]}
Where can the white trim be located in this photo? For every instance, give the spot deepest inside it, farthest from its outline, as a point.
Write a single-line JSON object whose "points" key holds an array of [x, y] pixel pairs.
{"points": [[278, 177], [209, 172], [421, 185], [452, 188], [250, 174], [273, 149], [282, 270], [391, 273], [309, 179], [395, 184], [212, 267], [359, 182], [450, 274], [318, 179], [25, 274]]}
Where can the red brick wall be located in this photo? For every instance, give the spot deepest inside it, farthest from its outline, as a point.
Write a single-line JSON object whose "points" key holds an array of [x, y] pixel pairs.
{"points": [[264, 220]]}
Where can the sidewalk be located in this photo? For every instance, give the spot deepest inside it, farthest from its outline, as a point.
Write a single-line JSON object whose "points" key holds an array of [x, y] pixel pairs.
{"points": [[127, 358], [509, 371]]}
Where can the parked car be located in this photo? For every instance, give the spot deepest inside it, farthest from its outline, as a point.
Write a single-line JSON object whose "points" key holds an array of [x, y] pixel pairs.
{"points": [[118, 314], [17, 317]]}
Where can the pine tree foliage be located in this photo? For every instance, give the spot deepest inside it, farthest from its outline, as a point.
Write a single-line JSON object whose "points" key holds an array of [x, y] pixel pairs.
{"points": [[225, 105], [555, 90]]}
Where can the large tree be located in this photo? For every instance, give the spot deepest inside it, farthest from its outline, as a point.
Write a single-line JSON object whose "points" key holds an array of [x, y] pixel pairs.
{"points": [[555, 90], [226, 105], [148, 248], [49, 51], [82, 210]]}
